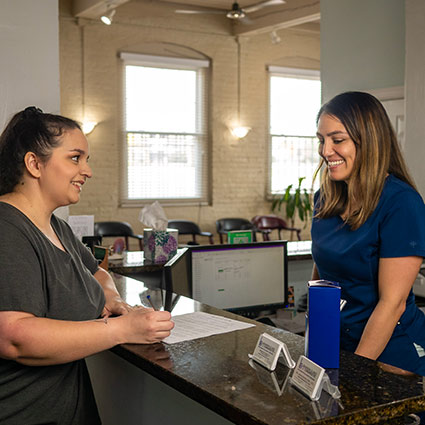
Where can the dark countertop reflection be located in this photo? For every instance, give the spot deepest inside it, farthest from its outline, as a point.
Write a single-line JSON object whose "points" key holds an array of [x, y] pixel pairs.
{"points": [[215, 371]]}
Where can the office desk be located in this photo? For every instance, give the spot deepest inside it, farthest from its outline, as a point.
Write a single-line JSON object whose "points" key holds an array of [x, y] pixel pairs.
{"points": [[299, 268], [210, 381], [299, 250], [134, 261]]}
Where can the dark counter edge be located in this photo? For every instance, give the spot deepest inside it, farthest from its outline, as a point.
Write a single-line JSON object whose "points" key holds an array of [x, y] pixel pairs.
{"points": [[372, 415], [205, 398]]}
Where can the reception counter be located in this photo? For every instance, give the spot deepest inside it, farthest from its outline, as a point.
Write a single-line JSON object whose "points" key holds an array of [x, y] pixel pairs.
{"points": [[133, 262], [210, 380], [300, 266]]}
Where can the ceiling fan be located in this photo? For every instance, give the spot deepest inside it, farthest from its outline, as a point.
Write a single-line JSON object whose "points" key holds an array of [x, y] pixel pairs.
{"points": [[236, 12]]}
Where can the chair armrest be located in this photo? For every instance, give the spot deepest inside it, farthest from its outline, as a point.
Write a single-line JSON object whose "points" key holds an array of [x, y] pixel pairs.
{"points": [[205, 234], [140, 239], [295, 229], [209, 235], [220, 234], [262, 230], [298, 233]]}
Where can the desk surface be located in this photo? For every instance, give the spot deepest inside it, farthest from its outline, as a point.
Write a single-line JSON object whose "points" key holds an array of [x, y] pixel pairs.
{"points": [[215, 372], [134, 261]]}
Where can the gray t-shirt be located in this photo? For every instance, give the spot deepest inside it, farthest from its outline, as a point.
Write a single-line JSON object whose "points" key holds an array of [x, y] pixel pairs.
{"points": [[38, 278]]}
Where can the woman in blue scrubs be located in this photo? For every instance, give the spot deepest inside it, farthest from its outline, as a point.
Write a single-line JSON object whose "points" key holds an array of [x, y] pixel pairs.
{"points": [[368, 232]]}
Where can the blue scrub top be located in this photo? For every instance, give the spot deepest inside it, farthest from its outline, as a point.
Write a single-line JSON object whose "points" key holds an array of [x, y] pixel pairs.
{"points": [[396, 228]]}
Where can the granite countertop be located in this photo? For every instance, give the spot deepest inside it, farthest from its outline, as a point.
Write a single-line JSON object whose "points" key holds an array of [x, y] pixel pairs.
{"points": [[215, 372], [134, 262]]}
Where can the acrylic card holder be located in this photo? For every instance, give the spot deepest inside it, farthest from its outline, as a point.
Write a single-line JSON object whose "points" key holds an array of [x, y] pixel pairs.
{"points": [[311, 379], [269, 350]]}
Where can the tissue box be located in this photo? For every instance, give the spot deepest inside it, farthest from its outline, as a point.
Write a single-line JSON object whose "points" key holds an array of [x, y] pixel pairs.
{"points": [[160, 245], [323, 323]]}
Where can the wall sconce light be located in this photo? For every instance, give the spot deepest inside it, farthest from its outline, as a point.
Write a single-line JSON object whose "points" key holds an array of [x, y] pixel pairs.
{"points": [[107, 17], [239, 131], [88, 126]]}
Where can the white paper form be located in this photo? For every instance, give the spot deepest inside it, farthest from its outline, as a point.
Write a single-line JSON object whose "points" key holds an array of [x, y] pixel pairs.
{"points": [[200, 325], [82, 225]]}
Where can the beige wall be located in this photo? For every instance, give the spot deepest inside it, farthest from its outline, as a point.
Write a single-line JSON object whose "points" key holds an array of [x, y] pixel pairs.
{"points": [[91, 72]]}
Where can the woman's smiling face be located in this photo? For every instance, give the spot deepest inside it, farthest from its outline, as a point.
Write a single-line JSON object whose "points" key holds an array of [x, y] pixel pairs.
{"points": [[336, 147], [66, 171]]}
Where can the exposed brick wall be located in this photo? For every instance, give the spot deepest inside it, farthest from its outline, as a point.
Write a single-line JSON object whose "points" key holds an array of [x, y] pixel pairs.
{"points": [[91, 70]]}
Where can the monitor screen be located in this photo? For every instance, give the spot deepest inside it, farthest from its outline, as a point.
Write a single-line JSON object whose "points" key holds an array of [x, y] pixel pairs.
{"points": [[250, 276], [240, 276]]}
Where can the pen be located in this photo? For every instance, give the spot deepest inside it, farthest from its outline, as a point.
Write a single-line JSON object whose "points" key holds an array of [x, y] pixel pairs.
{"points": [[150, 302]]}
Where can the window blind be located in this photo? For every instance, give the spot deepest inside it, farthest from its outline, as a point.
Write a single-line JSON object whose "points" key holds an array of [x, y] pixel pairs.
{"points": [[165, 129], [294, 97]]}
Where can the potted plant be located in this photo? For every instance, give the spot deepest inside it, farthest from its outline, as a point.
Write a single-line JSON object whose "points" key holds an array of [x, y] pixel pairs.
{"points": [[297, 201]]}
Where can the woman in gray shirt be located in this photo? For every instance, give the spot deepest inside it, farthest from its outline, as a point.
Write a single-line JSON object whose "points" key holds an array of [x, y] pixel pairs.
{"points": [[56, 304]]}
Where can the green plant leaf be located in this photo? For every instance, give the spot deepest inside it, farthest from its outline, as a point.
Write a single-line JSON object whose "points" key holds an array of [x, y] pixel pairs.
{"points": [[297, 202]]}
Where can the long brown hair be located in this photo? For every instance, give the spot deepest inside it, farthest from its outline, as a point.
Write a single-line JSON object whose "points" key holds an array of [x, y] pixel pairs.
{"points": [[377, 154]]}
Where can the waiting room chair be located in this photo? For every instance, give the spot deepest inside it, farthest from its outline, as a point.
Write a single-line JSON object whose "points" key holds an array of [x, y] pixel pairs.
{"points": [[117, 229], [225, 225], [267, 223], [186, 227]]}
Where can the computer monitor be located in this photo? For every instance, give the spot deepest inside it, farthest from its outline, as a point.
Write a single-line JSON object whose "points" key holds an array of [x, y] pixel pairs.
{"points": [[177, 274], [239, 277]]}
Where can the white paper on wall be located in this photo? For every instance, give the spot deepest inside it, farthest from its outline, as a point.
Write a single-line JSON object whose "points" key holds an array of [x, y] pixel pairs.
{"points": [[82, 225]]}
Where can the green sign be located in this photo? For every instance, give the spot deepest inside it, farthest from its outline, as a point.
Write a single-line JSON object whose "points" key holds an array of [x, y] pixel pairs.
{"points": [[239, 236]]}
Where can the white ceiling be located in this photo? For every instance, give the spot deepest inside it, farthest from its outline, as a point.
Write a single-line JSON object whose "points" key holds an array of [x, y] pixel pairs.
{"points": [[293, 12]]}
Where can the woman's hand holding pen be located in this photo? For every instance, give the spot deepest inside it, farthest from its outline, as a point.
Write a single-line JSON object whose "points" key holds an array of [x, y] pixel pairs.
{"points": [[145, 326]]}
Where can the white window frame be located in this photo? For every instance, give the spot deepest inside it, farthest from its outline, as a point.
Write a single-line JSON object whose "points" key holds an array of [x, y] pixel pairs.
{"points": [[135, 59], [292, 73]]}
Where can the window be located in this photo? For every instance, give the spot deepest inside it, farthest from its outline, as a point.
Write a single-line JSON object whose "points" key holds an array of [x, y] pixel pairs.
{"points": [[294, 103], [165, 111]]}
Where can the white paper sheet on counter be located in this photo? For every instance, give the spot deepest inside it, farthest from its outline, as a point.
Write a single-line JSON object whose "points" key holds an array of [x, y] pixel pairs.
{"points": [[200, 325]]}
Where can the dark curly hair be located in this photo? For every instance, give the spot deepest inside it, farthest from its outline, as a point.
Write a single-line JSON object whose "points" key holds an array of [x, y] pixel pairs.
{"points": [[30, 130]]}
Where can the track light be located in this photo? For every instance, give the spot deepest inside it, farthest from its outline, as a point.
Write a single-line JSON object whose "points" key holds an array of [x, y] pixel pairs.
{"points": [[236, 12], [107, 17]]}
